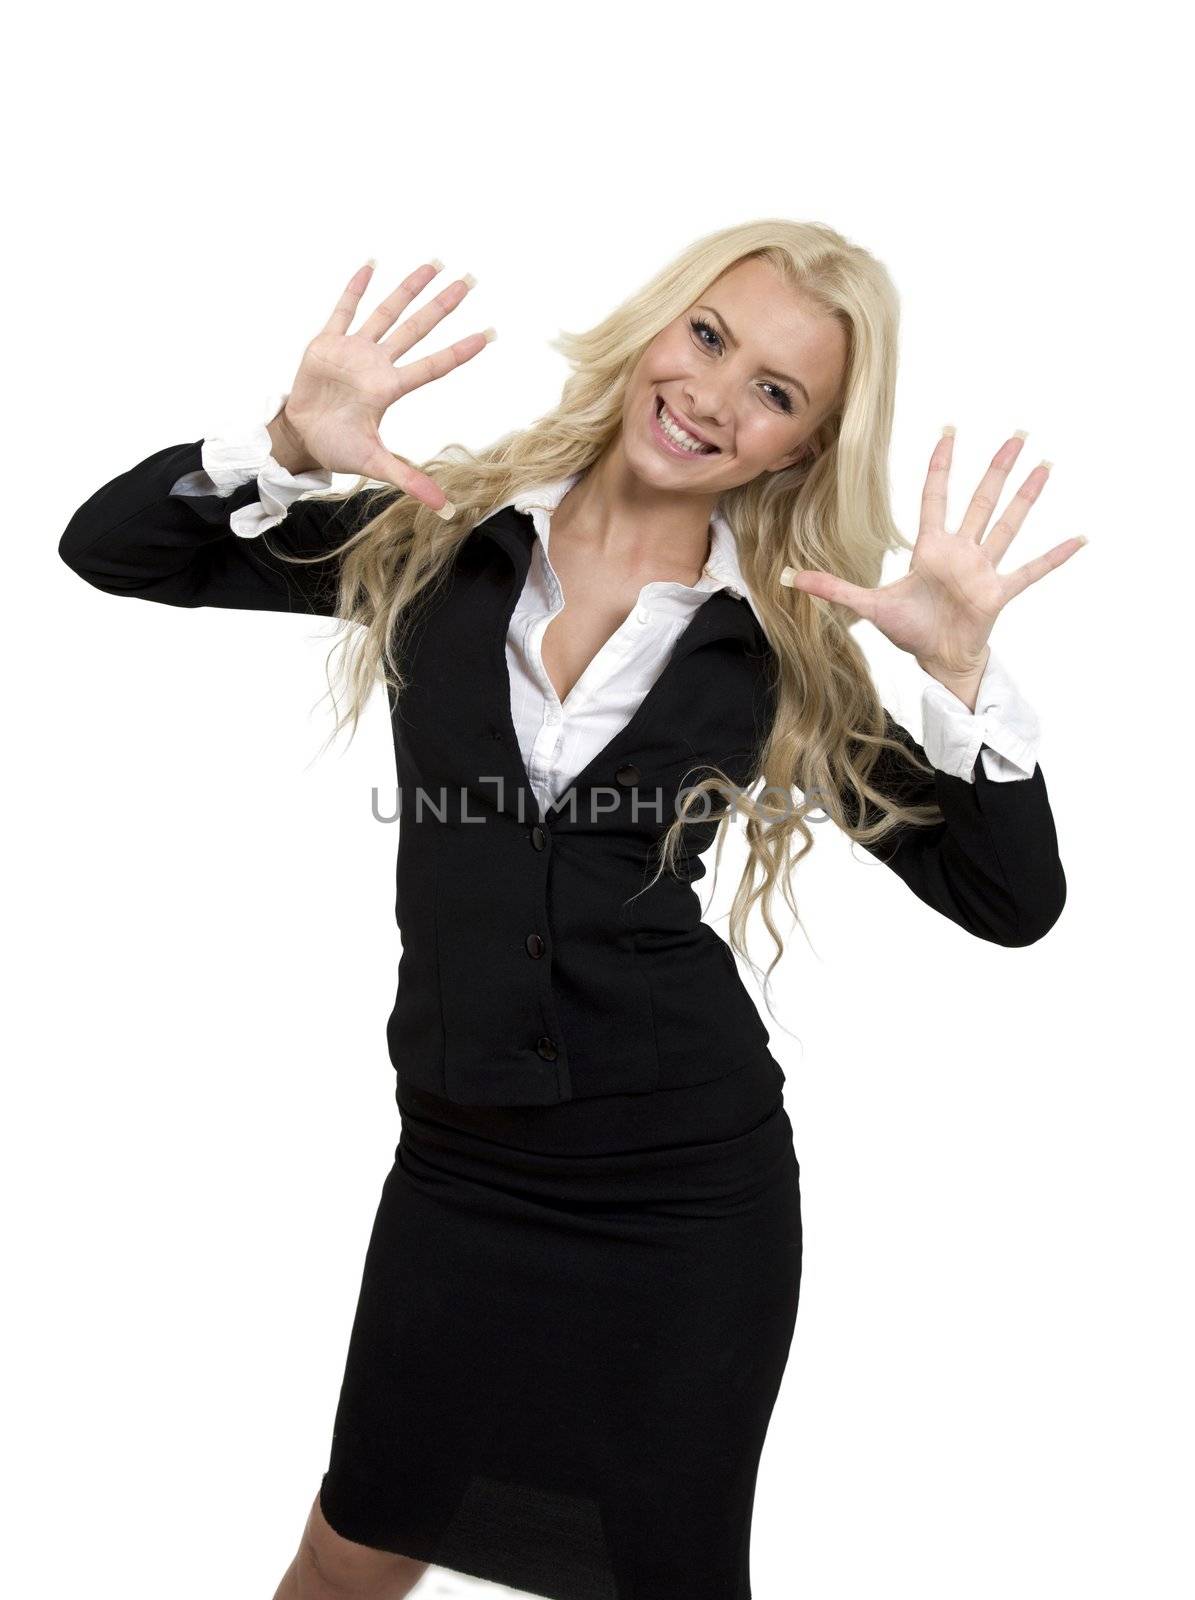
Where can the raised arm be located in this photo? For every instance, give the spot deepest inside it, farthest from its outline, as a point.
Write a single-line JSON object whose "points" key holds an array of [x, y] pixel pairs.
{"points": [[157, 533], [992, 864]]}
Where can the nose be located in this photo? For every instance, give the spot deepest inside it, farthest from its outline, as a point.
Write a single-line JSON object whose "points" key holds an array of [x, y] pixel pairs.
{"points": [[706, 402]]}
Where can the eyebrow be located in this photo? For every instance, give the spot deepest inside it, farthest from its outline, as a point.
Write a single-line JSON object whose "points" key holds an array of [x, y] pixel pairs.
{"points": [[771, 371]]}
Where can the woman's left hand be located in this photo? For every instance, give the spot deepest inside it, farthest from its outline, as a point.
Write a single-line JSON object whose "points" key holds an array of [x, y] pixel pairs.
{"points": [[943, 610]]}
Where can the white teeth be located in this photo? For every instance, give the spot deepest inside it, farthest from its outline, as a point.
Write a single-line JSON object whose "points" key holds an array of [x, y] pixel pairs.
{"points": [[678, 435]]}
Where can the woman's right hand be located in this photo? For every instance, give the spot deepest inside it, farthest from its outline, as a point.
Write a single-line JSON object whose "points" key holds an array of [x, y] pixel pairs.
{"points": [[346, 382]]}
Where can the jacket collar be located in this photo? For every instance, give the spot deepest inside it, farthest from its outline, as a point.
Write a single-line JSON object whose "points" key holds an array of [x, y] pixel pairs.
{"points": [[720, 616]]}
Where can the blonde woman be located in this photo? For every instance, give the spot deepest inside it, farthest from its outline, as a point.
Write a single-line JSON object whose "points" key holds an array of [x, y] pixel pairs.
{"points": [[605, 640]]}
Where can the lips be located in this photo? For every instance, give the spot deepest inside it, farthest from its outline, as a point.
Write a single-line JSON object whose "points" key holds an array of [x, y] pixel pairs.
{"points": [[708, 447]]}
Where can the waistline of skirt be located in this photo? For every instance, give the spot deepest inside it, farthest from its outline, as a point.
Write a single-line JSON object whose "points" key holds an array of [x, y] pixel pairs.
{"points": [[706, 1125]]}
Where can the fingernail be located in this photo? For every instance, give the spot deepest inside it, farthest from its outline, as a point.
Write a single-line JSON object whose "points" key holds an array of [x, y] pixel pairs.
{"points": [[490, 333], [1046, 464], [948, 431], [437, 263], [469, 280], [787, 576], [372, 262], [1082, 538], [1021, 433], [447, 511]]}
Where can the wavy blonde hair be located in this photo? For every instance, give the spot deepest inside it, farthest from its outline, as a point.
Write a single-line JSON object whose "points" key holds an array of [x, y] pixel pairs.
{"points": [[829, 512]]}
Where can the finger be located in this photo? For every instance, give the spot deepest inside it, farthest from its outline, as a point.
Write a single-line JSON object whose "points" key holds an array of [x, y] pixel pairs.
{"points": [[442, 361], [1040, 565], [346, 307], [388, 311], [827, 587], [997, 542], [937, 481], [987, 496], [386, 467], [420, 322]]}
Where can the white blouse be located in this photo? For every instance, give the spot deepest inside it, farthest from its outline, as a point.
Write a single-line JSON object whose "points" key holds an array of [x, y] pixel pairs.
{"points": [[558, 738]]}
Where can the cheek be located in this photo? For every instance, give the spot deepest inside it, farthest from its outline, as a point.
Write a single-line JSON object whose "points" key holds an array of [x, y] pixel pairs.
{"points": [[669, 352], [763, 438], [635, 394]]}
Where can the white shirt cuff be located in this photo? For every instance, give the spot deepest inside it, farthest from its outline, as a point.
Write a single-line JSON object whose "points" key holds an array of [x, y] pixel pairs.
{"points": [[241, 453], [1003, 725]]}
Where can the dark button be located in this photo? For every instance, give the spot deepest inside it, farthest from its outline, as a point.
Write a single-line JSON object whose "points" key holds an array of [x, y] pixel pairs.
{"points": [[547, 1049], [535, 945], [628, 776], [539, 837]]}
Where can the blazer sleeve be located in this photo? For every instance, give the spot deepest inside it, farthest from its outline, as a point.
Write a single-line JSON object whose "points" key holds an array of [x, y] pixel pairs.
{"points": [[134, 537], [992, 864]]}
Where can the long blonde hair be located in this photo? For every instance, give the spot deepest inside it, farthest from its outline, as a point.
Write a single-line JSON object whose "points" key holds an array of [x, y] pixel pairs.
{"points": [[829, 512]]}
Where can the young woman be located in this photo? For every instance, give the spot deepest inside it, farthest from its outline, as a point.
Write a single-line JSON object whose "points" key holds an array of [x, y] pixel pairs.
{"points": [[603, 640]]}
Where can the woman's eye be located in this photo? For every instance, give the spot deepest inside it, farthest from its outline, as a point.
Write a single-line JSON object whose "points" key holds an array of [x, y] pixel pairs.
{"points": [[701, 327]]}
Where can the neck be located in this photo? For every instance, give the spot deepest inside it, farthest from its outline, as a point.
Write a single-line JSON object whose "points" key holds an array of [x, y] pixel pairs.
{"points": [[630, 525]]}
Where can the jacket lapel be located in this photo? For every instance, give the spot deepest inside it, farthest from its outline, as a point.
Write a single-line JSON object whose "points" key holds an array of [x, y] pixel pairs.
{"points": [[721, 616]]}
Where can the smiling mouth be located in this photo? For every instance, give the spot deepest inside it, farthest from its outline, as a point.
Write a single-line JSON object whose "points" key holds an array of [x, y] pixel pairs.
{"points": [[679, 438]]}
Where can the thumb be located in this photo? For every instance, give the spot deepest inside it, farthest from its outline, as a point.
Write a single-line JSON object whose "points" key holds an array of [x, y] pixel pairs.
{"points": [[387, 467], [827, 587]]}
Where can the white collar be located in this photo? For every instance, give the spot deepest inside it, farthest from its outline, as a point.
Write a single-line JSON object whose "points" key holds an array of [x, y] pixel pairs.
{"points": [[721, 571]]}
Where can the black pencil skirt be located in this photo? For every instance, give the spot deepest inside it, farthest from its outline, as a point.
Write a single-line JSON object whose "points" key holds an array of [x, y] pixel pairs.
{"points": [[571, 1332]]}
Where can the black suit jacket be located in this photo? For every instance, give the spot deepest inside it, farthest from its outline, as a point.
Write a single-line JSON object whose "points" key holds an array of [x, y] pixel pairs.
{"points": [[533, 969]]}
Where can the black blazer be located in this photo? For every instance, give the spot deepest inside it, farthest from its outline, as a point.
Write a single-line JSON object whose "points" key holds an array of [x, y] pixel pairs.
{"points": [[532, 969]]}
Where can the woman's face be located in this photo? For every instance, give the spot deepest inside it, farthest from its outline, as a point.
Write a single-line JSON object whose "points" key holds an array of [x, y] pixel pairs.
{"points": [[750, 370]]}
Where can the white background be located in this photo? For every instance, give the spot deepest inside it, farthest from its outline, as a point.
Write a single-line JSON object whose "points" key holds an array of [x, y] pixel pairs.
{"points": [[989, 1391]]}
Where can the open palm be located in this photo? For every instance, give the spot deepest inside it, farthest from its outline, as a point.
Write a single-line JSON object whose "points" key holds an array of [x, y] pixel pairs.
{"points": [[346, 382], [943, 610]]}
